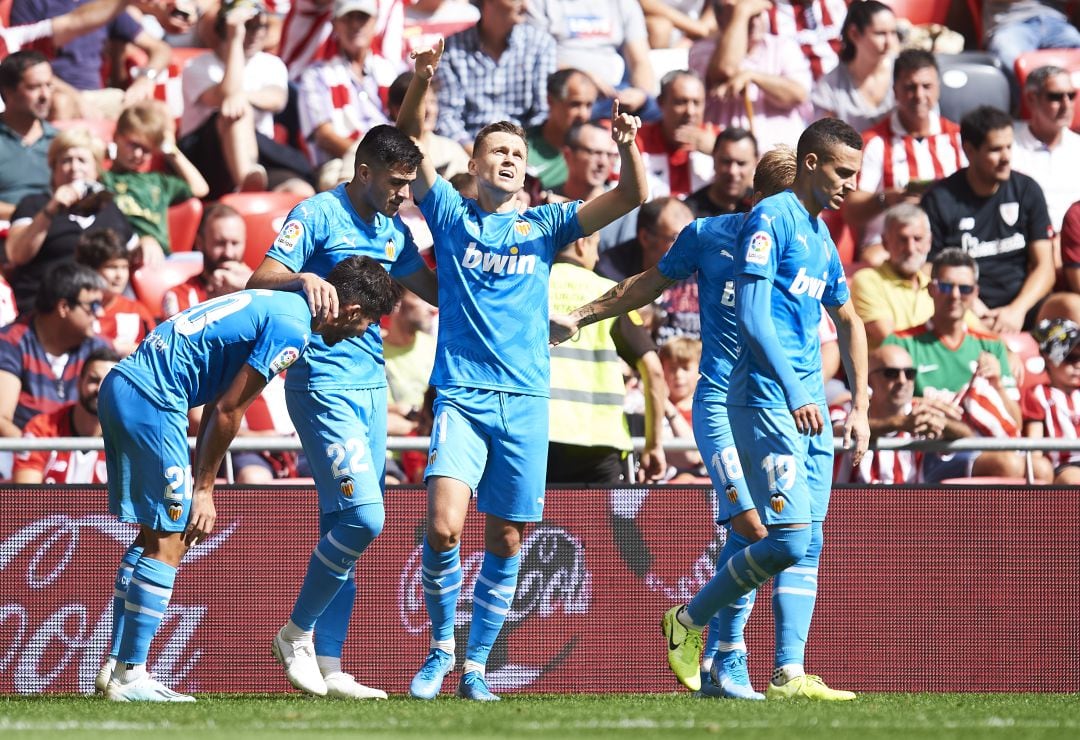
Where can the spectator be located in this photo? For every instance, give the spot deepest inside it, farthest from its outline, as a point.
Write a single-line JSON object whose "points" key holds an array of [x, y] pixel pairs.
{"points": [[7, 302], [77, 419], [446, 154], [1052, 409], [1070, 247], [734, 156], [221, 238], [409, 353], [143, 131], [859, 89], [680, 358], [305, 36], [997, 216], [906, 152], [230, 97], [42, 353], [123, 321], [26, 87], [588, 430], [1012, 27], [816, 27], [77, 63], [62, 29], [341, 98], [674, 23], [46, 227], [495, 70], [945, 351], [1044, 148], [571, 95], [677, 149], [755, 80], [607, 40]]}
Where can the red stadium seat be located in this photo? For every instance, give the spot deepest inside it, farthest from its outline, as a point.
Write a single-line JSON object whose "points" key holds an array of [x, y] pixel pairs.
{"points": [[151, 282], [264, 214], [1065, 58], [99, 127], [921, 11], [184, 220]]}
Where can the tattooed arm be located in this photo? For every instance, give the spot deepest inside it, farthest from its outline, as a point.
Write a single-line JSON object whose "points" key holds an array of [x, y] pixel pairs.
{"points": [[634, 292]]}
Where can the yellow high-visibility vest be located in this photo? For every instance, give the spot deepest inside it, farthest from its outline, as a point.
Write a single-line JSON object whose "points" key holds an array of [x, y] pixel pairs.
{"points": [[587, 389]]}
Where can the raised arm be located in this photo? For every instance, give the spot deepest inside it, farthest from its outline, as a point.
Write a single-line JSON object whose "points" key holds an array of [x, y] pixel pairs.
{"points": [[632, 190], [411, 114], [633, 292]]}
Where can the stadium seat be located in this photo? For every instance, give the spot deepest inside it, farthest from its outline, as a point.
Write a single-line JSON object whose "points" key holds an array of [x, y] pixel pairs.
{"points": [[99, 127], [1027, 349], [1065, 58], [968, 84], [184, 220], [264, 214], [921, 11], [151, 282]]}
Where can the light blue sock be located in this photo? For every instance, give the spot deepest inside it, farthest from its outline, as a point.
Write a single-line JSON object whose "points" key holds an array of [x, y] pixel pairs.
{"points": [[120, 588], [794, 594], [331, 565], [441, 578], [730, 621], [492, 598], [148, 597], [747, 569], [333, 626]]}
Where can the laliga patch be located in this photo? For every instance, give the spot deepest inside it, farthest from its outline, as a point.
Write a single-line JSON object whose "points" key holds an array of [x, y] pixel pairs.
{"points": [[347, 488], [758, 251], [522, 227], [776, 502], [289, 236], [285, 358], [391, 249]]}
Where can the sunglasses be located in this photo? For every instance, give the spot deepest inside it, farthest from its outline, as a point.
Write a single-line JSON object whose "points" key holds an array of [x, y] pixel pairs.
{"points": [[949, 287], [1059, 97], [91, 307], [893, 373]]}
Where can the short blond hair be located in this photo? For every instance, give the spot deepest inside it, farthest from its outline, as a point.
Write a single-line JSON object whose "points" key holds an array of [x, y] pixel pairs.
{"points": [[775, 171], [76, 138], [147, 118], [681, 350]]}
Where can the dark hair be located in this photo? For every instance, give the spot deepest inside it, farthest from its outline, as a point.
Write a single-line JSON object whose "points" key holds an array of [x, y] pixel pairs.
{"points": [[101, 354], [859, 16], [213, 213], [385, 147], [499, 127], [822, 135], [735, 134], [395, 94], [362, 281], [672, 77], [15, 65], [99, 246], [912, 60], [953, 257], [558, 83], [976, 124], [649, 213], [63, 282]]}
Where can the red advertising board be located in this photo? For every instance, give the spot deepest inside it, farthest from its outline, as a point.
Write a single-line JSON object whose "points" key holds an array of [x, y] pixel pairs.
{"points": [[959, 589]]}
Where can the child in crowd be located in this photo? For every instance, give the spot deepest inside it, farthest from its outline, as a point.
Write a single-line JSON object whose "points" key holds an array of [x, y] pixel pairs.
{"points": [[680, 358], [123, 321], [1053, 409], [144, 196]]}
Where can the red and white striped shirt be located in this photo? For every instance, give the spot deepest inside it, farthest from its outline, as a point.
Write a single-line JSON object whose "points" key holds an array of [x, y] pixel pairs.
{"points": [[888, 467], [1059, 413], [672, 171], [815, 26], [305, 36]]}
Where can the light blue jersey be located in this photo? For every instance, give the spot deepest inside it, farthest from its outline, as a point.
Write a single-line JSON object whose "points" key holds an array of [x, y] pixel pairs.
{"points": [[493, 290], [193, 357], [708, 247], [319, 233], [782, 243]]}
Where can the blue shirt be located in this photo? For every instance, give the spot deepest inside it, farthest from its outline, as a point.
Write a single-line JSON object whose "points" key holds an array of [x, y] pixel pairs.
{"points": [[782, 243], [193, 357], [708, 247], [319, 233], [493, 290]]}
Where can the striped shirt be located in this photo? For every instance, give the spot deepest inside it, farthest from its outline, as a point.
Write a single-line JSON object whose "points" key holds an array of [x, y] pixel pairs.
{"points": [[22, 355], [475, 90], [672, 170], [306, 33], [1059, 413], [814, 25]]}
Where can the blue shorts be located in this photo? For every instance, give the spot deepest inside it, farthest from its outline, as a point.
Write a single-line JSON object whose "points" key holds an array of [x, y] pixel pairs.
{"points": [[496, 443], [717, 446], [146, 456], [789, 474], [343, 433]]}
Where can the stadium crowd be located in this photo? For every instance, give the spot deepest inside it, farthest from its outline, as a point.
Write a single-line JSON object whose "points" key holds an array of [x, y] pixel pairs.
{"points": [[141, 140]]}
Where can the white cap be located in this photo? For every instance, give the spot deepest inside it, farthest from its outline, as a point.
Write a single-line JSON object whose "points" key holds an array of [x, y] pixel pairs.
{"points": [[341, 7]]}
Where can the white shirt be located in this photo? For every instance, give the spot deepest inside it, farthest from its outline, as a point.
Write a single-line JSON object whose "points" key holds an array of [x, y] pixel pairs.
{"points": [[203, 72], [1054, 169]]}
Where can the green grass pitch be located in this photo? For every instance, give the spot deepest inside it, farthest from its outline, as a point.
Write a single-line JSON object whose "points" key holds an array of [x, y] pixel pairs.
{"points": [[265, 717]]}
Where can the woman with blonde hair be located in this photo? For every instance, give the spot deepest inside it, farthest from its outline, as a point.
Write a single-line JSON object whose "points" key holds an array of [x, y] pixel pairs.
{"points": [[46, 227]]}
